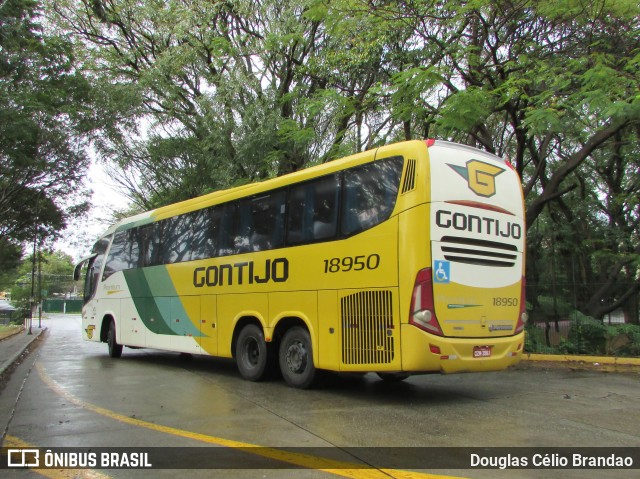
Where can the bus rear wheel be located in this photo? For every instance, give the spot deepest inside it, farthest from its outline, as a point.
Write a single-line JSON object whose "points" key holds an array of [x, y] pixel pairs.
{"points": [[252, 353], [296, 358], [115, 349]]}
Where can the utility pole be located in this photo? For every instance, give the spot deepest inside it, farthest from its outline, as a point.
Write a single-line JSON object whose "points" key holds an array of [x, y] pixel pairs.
{"points": [[32, 300]]}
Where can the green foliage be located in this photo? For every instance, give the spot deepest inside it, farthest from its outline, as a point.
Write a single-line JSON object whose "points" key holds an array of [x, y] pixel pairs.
{"points": [[193, 97], [52, 276], [10, 256], [586, 336], [466, 110], [43, 116], [534, 340], [631, 340]]}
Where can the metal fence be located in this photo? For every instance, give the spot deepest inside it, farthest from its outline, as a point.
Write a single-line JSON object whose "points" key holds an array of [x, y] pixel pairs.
{"points": [[62, 305], [580, 334]]}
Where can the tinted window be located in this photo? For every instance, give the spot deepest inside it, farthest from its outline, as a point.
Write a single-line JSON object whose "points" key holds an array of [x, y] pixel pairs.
{"points": [[122, 255], [369, 194], [134, 247], [260, 223], [101, 245], [313, 210], [211, 228], [176, 239], [149, 238], [93, 268]]}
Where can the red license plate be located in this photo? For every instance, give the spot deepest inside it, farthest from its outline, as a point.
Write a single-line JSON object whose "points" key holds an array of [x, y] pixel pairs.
{"points": [[482, 351]]}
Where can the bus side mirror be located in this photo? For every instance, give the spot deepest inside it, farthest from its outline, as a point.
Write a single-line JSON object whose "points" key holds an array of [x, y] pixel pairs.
{"points": [[78, 268], [76, 271]]}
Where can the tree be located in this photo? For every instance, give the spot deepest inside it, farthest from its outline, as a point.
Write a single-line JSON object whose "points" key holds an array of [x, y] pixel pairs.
{"points": [[553, 86], [206, 95], [197, 96], [9, 261], [52, 274], [592, 252], [42, 115]]}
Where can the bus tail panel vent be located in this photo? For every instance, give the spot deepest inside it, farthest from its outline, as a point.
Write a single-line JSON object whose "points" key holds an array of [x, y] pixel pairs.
{"points": [[367, 328], [409, 182], [479, 252]]}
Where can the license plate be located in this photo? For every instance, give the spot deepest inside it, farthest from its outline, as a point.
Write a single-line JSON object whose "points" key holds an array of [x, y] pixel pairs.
{"points": [[481, 351]]}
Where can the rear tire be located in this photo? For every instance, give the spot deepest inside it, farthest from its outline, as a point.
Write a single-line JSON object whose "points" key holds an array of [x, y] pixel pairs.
{"points": [[296, 358], [252, 354], [115, 349]]}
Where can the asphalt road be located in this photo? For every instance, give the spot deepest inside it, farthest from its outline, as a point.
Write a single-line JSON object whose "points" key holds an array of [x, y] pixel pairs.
{"points": [[69, 393]]}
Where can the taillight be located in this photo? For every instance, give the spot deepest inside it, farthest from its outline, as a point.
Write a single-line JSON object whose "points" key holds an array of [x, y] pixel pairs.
{"points": [[423, 313], [522, 316]]}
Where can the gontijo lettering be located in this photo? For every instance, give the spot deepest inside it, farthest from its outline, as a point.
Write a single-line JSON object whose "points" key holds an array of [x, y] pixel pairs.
{"points": [[478, 224], [275, 270]]}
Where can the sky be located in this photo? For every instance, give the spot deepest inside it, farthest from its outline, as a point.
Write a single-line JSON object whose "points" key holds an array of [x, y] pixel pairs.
{"points": [[80, 235]]}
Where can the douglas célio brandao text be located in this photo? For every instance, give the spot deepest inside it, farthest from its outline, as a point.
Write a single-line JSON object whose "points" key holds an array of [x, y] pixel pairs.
{"points": [[551, 461]]}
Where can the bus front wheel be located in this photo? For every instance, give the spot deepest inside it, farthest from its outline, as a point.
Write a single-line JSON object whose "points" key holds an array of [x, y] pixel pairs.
{"points": [[252, 354], [296, 358], [115, 349]]}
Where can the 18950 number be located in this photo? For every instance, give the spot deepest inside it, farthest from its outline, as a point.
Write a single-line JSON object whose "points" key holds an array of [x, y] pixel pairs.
{"points": [[505, 301], [351, 263]]}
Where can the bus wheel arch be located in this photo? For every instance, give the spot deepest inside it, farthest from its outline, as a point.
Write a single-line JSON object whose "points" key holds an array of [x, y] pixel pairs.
{"points": [[104, 328], [115, 349], [254, 357]]}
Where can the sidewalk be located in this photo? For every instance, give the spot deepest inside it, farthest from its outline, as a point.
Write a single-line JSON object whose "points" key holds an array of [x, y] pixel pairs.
{"points": [[12, 347]]}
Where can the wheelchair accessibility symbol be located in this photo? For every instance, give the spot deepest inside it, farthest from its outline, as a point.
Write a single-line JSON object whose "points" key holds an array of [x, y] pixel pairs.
{"points": [[442, 273]]}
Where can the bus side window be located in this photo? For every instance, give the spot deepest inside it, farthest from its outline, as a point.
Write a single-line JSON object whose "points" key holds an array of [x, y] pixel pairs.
{"points": [[125, 252], [148, 239], [313, 211], [117, 260], [176, 239], [92, 277], [225, 220], [95, 266], [133, 248], [370, 193], [89, 281], [205, 225], [260, 223]]}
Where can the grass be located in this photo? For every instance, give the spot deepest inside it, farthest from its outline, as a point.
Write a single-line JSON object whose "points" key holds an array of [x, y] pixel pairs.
{"points": [[9, 330]]}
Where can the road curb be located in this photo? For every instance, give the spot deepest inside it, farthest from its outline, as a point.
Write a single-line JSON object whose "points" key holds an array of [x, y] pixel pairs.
{"points": [[7, 364], [566, 358]]}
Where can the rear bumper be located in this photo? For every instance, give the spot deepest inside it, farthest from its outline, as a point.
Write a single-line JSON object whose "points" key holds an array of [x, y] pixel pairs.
{"points": [[424, 352]]}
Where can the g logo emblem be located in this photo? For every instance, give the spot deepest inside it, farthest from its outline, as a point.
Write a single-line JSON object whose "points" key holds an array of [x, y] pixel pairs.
{"points": [[90, 330], [480, 176]]}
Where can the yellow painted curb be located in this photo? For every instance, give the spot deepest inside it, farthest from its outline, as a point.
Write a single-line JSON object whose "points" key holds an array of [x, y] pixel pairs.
{"points": [[584, 359]]}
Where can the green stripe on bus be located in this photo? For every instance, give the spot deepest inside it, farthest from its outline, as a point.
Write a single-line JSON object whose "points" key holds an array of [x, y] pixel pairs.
{"points": [[144, 302], [157, 302]]}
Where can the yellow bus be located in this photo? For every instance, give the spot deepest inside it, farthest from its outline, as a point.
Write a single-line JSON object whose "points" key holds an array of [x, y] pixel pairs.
{"points": [[401, 260]]}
